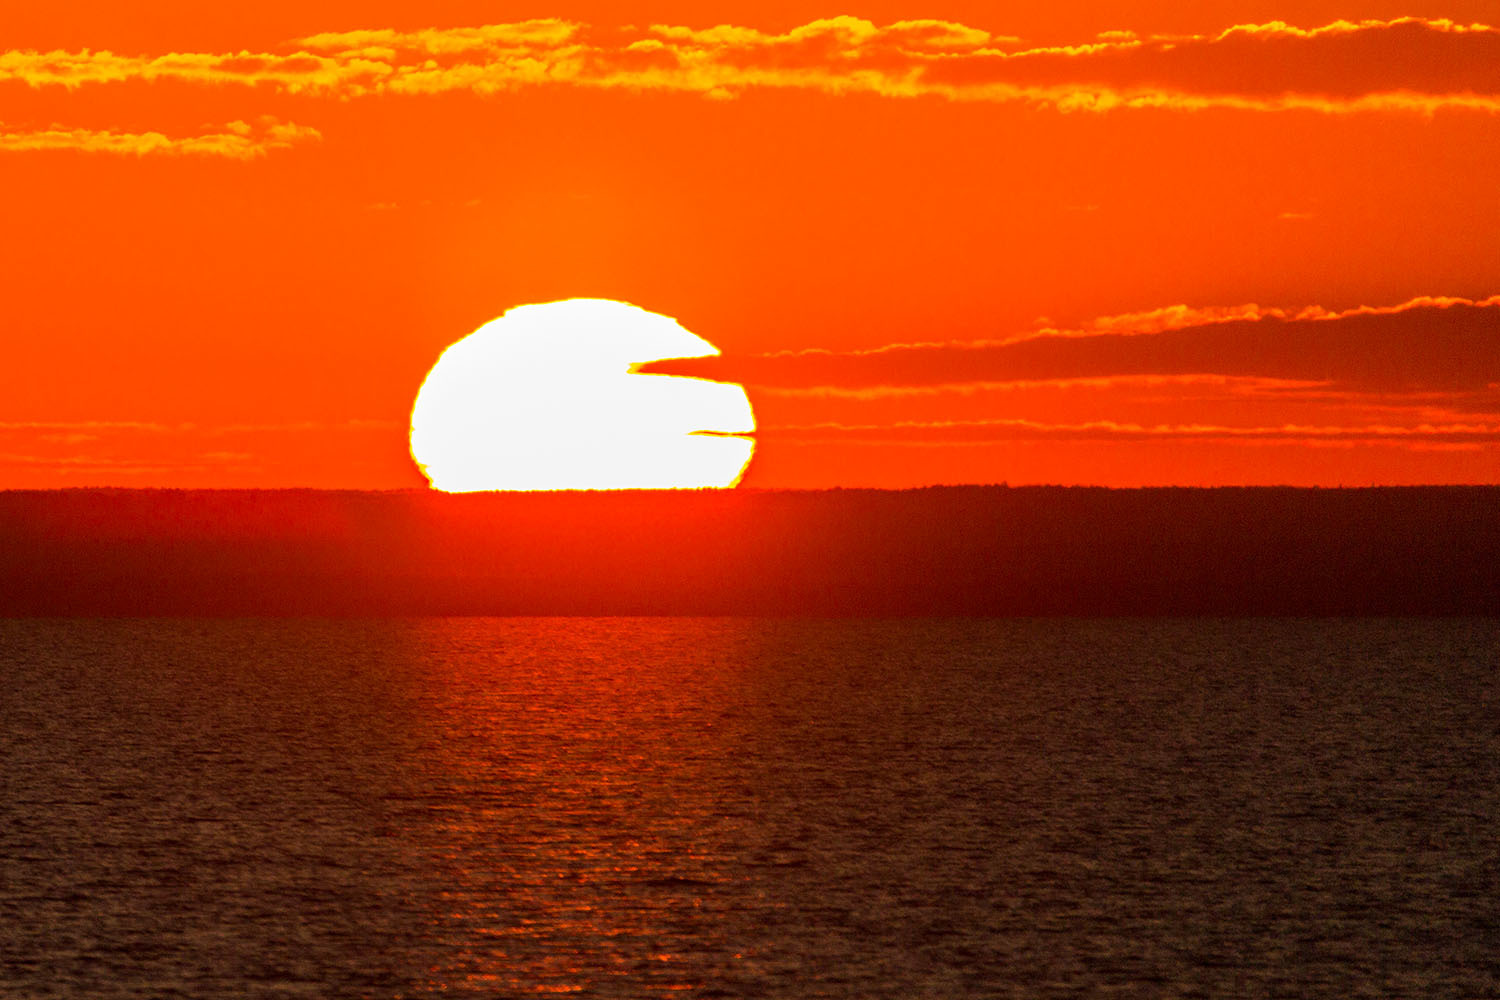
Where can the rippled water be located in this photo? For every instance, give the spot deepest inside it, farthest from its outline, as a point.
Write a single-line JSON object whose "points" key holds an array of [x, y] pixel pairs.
{"points": [[749, 808]]}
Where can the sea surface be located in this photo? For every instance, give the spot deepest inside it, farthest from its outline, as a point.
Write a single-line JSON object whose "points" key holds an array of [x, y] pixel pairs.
{"points": [[749, 808]]}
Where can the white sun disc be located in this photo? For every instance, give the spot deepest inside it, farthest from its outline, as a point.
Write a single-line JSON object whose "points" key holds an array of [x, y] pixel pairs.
{"points": [[544, 398]]}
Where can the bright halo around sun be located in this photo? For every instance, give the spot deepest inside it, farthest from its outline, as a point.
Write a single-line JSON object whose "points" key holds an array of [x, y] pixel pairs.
{"points": [[544, 398]]}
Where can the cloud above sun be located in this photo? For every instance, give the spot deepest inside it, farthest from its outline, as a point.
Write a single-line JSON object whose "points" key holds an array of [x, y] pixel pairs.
{"points": [[1405, 64]]}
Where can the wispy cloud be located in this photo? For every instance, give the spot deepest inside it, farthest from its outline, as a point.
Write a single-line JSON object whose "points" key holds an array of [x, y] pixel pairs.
{"points": [[1014, 429], [81, 425], [1177, 317], [237, 140], [1415, 376], [1430, 343], [1229, 384], [157, 427], [92, 452], [93, 465], [1404, 64]]}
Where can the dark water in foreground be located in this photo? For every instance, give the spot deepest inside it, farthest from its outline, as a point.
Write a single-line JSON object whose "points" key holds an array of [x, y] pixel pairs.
{"points": [[749, 808]]}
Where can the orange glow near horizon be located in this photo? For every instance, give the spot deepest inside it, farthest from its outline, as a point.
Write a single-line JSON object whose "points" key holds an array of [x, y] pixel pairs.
{"points": [[1106, 243], [544, 399]]}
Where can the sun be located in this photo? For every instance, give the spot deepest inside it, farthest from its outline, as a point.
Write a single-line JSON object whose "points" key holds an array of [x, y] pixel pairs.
{"points": [[545, 398]]}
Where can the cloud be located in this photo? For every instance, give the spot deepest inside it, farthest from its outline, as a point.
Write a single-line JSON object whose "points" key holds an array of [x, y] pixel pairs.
{"points": [[154, 427], [80, 425], [1409, 62], [1427, 344], [520, 38], [294, 73], [1404, 64], [237, 140], [101, 452], [91, 464], [1016, 429], [1234, 385]]}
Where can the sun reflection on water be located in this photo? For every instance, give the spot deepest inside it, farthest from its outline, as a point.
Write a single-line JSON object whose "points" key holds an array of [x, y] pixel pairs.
{"points": [[586, 853], [644, 808]]}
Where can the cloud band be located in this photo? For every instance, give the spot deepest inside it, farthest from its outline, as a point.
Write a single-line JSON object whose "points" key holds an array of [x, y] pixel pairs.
{"points": [[1403, 64], [236, 141]]}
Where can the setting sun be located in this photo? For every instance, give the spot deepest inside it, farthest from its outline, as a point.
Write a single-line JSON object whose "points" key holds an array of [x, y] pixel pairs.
{"points": [[899, 498], [546, 398]]}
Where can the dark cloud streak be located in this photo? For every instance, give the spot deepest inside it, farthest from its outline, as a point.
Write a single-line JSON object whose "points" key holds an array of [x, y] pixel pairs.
{"points": [[1453, 349], [1258, 61]]}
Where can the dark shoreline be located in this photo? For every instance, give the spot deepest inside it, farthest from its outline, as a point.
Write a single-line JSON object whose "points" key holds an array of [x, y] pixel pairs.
{"points": [[968, 550]]}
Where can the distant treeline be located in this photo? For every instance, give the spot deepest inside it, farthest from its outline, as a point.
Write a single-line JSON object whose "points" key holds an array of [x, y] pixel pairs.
{"points": [[939, 551]]}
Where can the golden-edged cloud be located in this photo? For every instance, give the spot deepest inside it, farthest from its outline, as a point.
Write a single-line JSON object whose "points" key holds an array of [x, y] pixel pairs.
{"points": [[1409, 64], [296, 72], [1436, 344], [237, 140], [1416, 375]]}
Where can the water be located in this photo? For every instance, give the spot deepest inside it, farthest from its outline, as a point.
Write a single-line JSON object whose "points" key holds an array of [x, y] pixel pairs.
{"points": [[749, 808]]}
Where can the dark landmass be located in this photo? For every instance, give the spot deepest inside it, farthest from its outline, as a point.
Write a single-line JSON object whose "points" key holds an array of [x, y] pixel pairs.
{"points": [[941, 551]]}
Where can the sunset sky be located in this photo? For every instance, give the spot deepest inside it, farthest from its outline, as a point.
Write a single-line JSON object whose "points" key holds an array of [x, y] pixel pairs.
{"points": [[1183, 242]]}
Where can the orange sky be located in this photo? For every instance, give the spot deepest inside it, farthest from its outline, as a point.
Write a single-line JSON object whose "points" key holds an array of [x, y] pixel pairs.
{"points": [[1113, 242]]}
